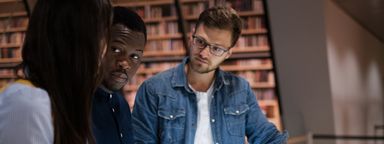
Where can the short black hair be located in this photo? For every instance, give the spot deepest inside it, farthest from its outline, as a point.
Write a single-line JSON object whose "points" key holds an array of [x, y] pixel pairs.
{"points": [[130, 19]]}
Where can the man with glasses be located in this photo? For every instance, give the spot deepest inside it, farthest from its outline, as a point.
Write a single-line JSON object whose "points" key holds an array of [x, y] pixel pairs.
{"points": [[196, 102]]}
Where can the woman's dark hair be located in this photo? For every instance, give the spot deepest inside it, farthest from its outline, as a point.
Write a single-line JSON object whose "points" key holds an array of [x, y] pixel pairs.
{"points": [[62, 52]]}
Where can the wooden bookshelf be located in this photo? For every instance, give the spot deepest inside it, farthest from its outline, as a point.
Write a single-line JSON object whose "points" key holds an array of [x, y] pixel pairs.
{"points": [[164, 53], [10, 60], [250, 49], [191, 1], [7, 76], [164, 37], [13, 24], [254, 31], [144, 3], [10, 45], [9, 1], [164, 19], [245, 68], [263, 85], [250, 13], [14, 14], [9, 30]]}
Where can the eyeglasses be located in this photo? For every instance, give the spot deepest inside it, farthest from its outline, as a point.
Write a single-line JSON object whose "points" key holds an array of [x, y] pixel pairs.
{"points": [[213, 49]]}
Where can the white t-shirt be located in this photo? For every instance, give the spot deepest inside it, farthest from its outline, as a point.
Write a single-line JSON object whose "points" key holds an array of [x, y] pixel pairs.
{"points": [[203, 131]]}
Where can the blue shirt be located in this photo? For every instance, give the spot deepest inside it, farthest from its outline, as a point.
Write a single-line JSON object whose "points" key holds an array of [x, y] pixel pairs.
{"points": [[25, 115], [166, 111], [111, 118]]}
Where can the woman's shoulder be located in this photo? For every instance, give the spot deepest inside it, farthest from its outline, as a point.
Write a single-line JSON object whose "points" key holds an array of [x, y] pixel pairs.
{"points": [[25, 112], [18, 96]]}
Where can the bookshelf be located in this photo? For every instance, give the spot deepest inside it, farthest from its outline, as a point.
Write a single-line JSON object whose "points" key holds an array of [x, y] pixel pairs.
{"points": [[251, 58], [13, 24]]}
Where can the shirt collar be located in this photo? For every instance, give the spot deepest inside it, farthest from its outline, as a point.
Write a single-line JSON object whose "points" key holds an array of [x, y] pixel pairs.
{"points": [[179, 77], [105, 95]]}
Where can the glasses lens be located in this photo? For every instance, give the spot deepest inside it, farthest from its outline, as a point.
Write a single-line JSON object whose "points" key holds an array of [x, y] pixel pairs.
{"points": [[217, 50], [199, 42]]}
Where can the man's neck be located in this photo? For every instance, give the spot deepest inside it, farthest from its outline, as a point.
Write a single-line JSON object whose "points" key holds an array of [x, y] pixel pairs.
{"points": [[199, 81]]}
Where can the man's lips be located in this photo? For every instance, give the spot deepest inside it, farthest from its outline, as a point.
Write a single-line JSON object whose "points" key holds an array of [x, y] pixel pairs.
{"points": [[201, 60], [119, 76]]}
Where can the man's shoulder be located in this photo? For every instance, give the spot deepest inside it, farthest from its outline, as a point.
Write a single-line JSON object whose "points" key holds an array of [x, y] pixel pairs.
{"points": [[162, 76]]}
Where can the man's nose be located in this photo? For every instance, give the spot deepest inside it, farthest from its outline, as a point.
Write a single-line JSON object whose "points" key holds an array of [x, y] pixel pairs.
{"points": [[123, 64], [204, 52]]}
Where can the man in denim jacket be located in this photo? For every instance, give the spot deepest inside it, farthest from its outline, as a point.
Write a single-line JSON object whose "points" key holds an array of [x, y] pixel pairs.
{"points": [[196, 102]]}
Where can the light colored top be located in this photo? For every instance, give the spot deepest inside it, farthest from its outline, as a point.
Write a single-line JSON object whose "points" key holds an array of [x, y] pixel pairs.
{"points": [[25, 115], [203, 131]]}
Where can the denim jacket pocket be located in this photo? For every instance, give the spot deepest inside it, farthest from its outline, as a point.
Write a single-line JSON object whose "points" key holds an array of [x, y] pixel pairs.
{"points": [[172, 123], [235, 119], [172, 118]]}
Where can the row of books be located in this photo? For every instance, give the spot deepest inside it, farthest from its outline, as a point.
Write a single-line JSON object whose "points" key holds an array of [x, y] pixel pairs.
{"points": [[11, 38], [162, 28], [157, 11], [254, 77], [6, 71], [164, 45], [264, 94], [12, 22], [246, 5], [254, 22], [252, 40], [10, 53], [194, 8]]}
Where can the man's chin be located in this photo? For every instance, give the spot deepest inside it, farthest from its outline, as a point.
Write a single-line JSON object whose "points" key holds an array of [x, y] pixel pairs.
{"points": [[112, 86]]}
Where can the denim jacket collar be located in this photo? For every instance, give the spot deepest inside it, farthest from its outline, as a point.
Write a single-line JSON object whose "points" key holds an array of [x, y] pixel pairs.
{"points": [[179, 77]]}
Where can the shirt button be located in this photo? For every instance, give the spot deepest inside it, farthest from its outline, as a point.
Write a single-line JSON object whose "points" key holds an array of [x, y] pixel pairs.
{"points": [[237, 111], [171, 116], [121, 135], [113, 110], [213, 120], [110, 96]]}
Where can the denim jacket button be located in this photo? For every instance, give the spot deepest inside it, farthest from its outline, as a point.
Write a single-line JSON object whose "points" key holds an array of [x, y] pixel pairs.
{"points": [[213, 120], [110, 96], [171, 116], [237, 111]]}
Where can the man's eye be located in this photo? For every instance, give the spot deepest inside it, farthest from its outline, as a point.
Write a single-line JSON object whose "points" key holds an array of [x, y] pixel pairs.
{"points": [[218, 49], [199, 41], [135, 56], [116, 50]]}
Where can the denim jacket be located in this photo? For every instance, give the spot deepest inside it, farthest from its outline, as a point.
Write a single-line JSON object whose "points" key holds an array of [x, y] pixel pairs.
{"points": [[166, 111]]}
